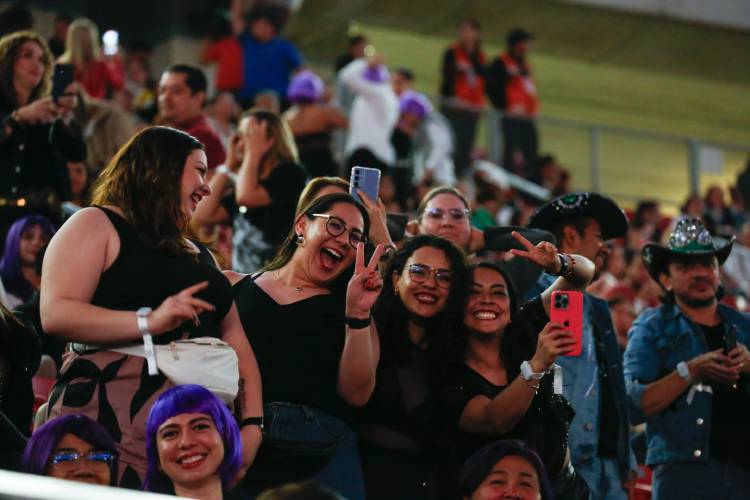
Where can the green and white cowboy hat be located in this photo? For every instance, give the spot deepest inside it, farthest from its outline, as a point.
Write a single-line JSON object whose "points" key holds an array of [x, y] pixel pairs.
{"points": [[690, 238]]}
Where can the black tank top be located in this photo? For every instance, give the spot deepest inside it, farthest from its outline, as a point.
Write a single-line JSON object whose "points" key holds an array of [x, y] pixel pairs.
{"points": [[143, 276]]}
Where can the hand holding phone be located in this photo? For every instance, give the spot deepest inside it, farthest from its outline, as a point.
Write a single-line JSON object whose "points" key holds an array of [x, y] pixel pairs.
{"points": [[566, 308], [367, 180]]}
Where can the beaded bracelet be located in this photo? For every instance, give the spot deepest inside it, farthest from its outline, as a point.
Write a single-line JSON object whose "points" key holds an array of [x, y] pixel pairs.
{"points": [[569, 270]]}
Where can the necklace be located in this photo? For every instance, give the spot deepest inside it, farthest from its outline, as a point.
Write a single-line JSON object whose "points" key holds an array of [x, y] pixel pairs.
{"points": [[296, 288]]}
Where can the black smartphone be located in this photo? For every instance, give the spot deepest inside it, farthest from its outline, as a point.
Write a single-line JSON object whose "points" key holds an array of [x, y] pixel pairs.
{"points": [[61, 77], [397, 226], [730, 340]]}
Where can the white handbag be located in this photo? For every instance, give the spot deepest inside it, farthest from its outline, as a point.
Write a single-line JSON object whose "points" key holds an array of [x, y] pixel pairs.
{"points": [[205, 361]]}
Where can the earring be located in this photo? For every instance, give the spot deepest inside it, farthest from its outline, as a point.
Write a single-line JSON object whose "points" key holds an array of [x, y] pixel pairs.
{"points": [[300, 240]]}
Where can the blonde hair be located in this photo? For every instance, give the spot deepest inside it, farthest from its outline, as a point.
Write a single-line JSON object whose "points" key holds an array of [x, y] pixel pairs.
{"points": [[284, 149], [82, 45]]}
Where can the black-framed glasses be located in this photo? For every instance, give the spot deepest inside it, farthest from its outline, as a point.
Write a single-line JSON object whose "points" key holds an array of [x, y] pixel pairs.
{"points": [[336, 227], [67, 460], [419, 273], [455, 214]]}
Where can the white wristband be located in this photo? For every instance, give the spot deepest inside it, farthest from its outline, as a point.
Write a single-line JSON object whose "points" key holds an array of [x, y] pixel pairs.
{"points": [[223, 169]]}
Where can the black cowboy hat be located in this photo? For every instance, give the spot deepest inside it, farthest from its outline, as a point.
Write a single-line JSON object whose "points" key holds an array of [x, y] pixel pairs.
{"points": [[611, 218], [690, 238]]}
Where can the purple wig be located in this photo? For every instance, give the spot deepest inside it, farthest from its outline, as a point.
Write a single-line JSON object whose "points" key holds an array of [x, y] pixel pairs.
{"points": [[415, 103], [10, 264], [306, 87], [42, 444], [480, 464], [377, 74], [191, 398]]}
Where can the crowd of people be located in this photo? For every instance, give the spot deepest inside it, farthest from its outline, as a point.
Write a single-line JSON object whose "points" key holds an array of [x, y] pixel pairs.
{"points": [[193, 303]]}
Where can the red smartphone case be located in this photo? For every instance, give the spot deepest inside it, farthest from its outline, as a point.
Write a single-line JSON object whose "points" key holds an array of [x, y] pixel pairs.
{"points": [[566, 308]]}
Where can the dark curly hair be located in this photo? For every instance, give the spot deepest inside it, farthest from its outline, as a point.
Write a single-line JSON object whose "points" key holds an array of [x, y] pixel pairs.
{"points": [[391, 317]]}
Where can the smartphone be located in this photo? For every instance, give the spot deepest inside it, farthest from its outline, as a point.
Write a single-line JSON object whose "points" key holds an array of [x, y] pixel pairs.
{"points": [[730, 340], [567, 309], [110, 42], [367, 180], [62, 77]]}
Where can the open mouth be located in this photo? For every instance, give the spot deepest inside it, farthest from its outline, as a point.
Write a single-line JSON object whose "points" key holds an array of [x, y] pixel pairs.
{"points": [[330, 257], [192, 461], [426, 298], [485, 315]]}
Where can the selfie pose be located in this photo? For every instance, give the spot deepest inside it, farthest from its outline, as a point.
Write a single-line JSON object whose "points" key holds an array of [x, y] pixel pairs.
{"points": [[37, 136], [317, 349], [501, 384], [124, 273]]}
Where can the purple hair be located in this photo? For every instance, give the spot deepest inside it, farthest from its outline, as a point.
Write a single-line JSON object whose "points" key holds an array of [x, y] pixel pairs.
{"points": [[306, 87], [42, 444], [10, 264], [191, 398], [480, 464], [415, 103], [377, 74]]}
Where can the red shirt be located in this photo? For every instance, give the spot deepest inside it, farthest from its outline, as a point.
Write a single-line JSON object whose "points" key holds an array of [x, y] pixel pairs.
{"points": [[227, 53], [100, 76], [199, 128]]}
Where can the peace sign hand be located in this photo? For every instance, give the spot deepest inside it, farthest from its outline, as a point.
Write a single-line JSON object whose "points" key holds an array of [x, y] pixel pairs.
{"points": [[364, 287], [544, 254]]}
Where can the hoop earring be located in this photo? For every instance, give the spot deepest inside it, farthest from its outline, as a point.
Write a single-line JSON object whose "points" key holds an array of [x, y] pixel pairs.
{"points": [[300, 240]]}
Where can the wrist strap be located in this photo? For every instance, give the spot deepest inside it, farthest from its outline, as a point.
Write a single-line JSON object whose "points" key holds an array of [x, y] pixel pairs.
{"points": [[356, 323], [253, 421]]}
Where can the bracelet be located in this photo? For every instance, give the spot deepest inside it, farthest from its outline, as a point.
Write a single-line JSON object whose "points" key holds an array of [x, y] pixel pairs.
{"points": [[563, 265], [357, 323], [532, 385], [253, 421], [570, 268], [224, 169]]}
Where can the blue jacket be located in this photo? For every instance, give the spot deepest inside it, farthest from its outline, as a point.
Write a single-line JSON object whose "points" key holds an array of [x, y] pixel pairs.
{"points": [[660, 338], [581, 384]]}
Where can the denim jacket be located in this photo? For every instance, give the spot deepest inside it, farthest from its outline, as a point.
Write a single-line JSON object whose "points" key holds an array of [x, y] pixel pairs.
{"points": [[659, 339], [581, 383]]}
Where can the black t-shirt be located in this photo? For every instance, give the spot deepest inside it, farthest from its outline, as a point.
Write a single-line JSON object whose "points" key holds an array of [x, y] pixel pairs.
{"points": [[730, 411], [298, 346], [543, 427], [284, 185]]}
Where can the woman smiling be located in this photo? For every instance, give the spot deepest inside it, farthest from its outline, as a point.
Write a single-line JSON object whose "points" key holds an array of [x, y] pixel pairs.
{"points": [[193, 444]]}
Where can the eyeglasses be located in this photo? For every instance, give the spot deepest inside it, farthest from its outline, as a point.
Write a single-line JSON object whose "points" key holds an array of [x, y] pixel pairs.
{"points": [[419, 273], [67, 460], [337, 227], [455, 214]]}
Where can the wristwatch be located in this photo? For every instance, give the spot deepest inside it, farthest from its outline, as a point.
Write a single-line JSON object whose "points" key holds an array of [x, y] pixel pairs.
{"points": [[259, 421], [528, 373], [683, 371], [142, 315]]}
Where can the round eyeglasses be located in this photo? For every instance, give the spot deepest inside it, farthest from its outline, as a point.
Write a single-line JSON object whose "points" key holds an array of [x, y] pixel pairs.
{"points": [[419, 273], [336, 227]]}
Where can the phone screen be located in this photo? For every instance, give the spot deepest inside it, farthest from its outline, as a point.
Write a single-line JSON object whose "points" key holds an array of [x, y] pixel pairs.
{"points": [[62, 77]]}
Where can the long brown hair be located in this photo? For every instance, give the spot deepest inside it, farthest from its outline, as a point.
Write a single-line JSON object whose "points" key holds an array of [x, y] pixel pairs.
{"points": [[10, 47], [283, 149], [144, 179]]}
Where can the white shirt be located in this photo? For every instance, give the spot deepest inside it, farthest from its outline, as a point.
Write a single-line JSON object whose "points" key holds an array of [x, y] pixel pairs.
{"points": [[374, 113]]}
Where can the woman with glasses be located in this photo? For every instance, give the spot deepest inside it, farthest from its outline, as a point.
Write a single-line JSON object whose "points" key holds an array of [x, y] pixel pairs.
{"points": [[315, 344], [72, 447], [419, 307], [498, 384]]}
